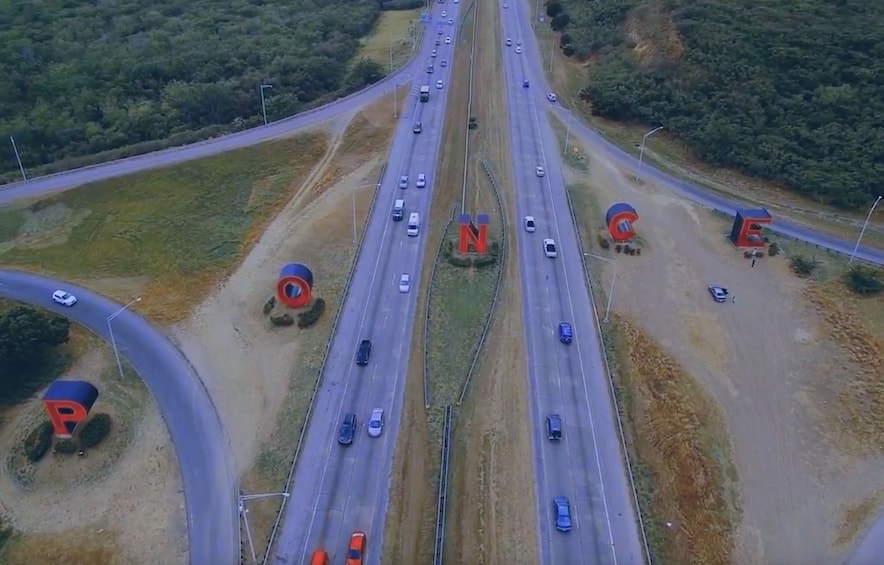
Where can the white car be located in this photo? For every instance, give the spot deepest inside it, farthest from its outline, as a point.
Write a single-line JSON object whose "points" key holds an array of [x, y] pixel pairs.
{"points": [[540, 172], [448, 41], [518, 50], [549, 248], [403, 181], [451, 21], [444, 14], [552, 97], [434, 54], [376, 422], [64, 298], [456, 1], [421, 180], [530, 224], [404, 283], [443, 63], [518, 42], [509, 42], [439, 84]]}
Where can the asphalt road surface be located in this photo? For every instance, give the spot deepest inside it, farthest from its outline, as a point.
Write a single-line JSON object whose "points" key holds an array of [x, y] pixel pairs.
{"points": [[339, 489], [200, 441], [587, 465]]}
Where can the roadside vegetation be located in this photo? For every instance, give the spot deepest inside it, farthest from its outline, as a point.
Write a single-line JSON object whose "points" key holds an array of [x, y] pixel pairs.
{"points": [[786, 92], [114, 79]]}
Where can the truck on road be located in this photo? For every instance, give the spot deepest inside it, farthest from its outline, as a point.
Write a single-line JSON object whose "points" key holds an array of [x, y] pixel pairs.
{"points": [[425, 93]]}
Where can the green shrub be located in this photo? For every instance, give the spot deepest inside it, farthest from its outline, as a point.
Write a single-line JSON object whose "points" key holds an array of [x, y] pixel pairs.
{"points": [[95, 430], [282, 321], [38, 441], [66, 447], [802, 266], [268, 306], [774, 249], [864, 280], [312, 315], [472, 260], [604, 242]]}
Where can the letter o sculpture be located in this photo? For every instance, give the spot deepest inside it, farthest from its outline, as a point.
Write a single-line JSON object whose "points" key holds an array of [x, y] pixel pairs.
{"points": [[295, 285], [619, 219]]}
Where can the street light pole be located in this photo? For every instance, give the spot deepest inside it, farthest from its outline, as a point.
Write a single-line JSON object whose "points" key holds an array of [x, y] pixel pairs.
{"points": [[568, 132], [18, 158], [610, 295], [641, 150], [863, 230], [110, 330], [263, 105], [395, 86]]}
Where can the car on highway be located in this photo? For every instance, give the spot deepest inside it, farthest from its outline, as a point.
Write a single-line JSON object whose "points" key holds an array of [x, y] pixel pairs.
{"points": [[718, 293], [417, 127], [566, 335], [549, 248], [552, 97], [403, 181], [530, 224], [376, 422], [356, 549], [540, 171], [348, 429], [562, 510], [450, 21], [444, 14], [363, 354], [438, 41], [443, 63], [448, 40], [434, 54], [525, 83], [439, 31], [439, 84], [509, 42], [64, 298], [421, 181], [505, 6], [554, 427], [518, 50], [404, 282], [518, 42]]}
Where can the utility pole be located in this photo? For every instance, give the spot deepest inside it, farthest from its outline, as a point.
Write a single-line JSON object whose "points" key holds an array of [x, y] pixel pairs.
{"points": [[641, 150], [18, 158], [263, 105], [863, 230]]}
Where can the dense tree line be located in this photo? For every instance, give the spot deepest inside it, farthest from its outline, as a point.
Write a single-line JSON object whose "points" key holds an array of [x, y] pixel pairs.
{"points": [[80, 78], [791, 91], [27, 339]]}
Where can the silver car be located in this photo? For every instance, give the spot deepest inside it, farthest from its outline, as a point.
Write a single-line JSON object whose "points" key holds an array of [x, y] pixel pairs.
{"points": [[403, 181], [376, 422]]}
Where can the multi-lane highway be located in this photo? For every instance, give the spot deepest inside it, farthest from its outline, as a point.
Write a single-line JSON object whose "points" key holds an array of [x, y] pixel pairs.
{"points": [[586, 465], [210, 485], [339, 489]]}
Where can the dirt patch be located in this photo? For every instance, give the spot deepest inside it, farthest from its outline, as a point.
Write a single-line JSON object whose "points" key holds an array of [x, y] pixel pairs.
{"points": [[110, 520], [260, 377], [856, 517]]}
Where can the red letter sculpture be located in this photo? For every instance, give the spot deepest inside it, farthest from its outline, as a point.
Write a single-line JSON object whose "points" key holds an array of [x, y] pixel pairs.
{"points": [[748, 223], [470, 234], [295, 285], [67, 403], [619, 219]]}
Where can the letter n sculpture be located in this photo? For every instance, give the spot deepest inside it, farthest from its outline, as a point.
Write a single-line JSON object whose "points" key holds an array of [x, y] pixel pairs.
{"points": [[748, 223], [295, 285], [620, 219], [473, 235], [67, 404]]}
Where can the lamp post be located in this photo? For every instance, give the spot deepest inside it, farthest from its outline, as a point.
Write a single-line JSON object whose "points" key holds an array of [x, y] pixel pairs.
{"points": [[263, 104], [244, 512], [641, 150], [110, 330], [18, 158], [395, 86], [613, 282], [353, 205], [568, 131], [863, 230]]}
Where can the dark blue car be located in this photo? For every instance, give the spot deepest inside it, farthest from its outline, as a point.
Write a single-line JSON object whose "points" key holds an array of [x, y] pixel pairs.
{"points": [[565, 334], [348, 430], [562, 509]]}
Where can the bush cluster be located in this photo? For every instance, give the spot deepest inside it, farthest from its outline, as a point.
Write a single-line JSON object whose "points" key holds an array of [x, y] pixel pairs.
{"points": [[38, 441], [94, 431], [627, 249], [471, 260], [802, 266], [774, 249], [312, 315], [282, 321], [604, 242], [864, 280], [268, 306], [66, 447]]}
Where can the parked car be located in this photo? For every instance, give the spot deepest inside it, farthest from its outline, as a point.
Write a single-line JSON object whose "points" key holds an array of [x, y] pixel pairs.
{"points": [[404, 283], [554, 427], [552, 97], [565, 335], [363, 353], [376, 422], [530, 225], [403, 181], [549, 248], [562, 509], [348, 429], [718, 293], [356, 549], [421, 180], [64, 298]]}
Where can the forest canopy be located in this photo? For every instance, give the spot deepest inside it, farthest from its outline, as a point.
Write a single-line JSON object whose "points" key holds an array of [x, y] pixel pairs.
{"points": [[789, 90], [82, 77]]}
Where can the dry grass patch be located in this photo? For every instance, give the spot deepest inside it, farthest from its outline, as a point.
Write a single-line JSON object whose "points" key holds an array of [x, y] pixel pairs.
{"points": [[856, 517], [680, 440]]}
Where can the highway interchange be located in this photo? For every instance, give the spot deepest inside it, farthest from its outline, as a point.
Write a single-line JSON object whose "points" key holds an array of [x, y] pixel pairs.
{"points": [[331, 500]]}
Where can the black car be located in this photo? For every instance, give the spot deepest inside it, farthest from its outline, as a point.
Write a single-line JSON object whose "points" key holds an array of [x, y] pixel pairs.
{"points": [[554, 427], [348, 430], [363, 353]]}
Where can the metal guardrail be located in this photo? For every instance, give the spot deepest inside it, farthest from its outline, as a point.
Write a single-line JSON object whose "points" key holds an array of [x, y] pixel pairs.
{"points": [[443, 488], [595, 316], [501, 264], [347, 282], [426, 347]]}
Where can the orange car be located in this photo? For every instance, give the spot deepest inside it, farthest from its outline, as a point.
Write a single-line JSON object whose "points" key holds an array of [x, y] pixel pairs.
{"points": [[356, 551]]}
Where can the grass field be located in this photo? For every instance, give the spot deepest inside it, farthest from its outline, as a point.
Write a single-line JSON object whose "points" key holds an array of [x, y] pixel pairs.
{"points": [[168, 234], [392, 32]]}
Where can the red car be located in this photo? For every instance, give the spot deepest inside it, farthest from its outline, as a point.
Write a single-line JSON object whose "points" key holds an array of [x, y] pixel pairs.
{"points": [[356, 551]]}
